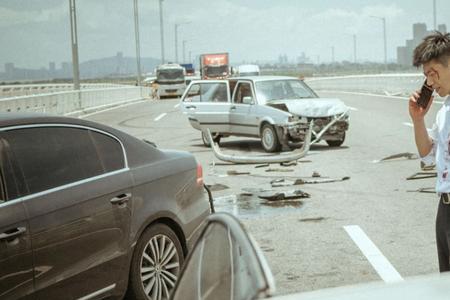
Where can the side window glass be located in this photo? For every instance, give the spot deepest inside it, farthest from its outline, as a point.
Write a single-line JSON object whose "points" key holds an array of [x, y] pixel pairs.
{"points": [[109, 151], [49, 157], [207, 92], [243, 90], [13, 185]]}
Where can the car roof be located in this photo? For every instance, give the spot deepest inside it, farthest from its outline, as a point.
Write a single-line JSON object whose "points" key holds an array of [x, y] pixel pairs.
{"points": [[27, 118], [433, 286], [264, 78]]}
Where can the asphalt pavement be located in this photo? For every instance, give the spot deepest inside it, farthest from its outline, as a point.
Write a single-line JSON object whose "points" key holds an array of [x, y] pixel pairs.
{"points": [[374, 226]]}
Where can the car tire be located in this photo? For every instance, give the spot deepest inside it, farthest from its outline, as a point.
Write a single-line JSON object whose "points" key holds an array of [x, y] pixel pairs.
{"points": [[156, 264], [269, 139], [216, 138], [336, 143]]}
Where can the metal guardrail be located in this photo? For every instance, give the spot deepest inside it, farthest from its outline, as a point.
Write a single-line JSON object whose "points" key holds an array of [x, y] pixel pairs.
{"points": [[385, 84], [15, 90], [74, 102]]}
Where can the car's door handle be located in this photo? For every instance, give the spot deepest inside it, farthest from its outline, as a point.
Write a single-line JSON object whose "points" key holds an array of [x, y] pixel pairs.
{"points": [[13, 233], [121, 199], [191, 106]]}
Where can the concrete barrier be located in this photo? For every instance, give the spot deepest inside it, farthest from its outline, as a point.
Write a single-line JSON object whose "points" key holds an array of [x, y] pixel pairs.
{"points": [[74, 102]]}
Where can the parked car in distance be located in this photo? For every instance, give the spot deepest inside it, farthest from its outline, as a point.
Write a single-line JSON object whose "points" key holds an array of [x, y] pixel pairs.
{"points": [[88, 211], [227, 264], [248, 70], [276, 109]]}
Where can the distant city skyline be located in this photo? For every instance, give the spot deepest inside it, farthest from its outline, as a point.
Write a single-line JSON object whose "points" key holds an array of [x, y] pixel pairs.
{"points": [[36, 33]]}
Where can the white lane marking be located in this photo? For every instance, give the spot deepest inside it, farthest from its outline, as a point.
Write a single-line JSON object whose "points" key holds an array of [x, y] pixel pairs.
{"points": [[176, 105], [352, 108], [112, 108], [378, 261], [160, 117]]}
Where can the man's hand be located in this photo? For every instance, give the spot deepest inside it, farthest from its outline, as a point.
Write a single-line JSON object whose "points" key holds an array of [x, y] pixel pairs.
{"points": [[417, 112]]}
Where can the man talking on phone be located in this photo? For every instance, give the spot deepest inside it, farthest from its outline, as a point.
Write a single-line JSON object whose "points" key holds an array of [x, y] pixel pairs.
{"points": [[433, 54]]}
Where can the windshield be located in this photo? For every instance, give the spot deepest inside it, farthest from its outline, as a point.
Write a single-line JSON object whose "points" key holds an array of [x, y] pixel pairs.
{"points": [[213, 71], [170, 75], [282, 90]]}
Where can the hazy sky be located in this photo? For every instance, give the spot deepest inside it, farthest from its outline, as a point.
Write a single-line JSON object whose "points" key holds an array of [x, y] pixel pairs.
{"points": [[35, 32]]}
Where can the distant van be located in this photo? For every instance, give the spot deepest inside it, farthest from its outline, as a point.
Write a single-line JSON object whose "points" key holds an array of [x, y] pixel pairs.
{"points": [[248, 70]]}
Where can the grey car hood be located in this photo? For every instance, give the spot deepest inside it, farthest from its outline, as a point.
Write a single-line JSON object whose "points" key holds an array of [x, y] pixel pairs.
{"points": [[313, 107]]}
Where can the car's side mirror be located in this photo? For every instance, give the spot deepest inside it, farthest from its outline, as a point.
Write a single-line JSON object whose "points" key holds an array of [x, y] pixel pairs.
{"points": [[247, 100], [225, 263]]}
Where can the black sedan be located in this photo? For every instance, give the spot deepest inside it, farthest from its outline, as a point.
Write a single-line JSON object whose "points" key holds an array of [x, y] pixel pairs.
{"points": [[88, 212]]}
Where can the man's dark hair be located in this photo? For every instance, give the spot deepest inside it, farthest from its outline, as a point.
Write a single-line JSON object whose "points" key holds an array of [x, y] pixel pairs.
{"points": [[436, 46]]}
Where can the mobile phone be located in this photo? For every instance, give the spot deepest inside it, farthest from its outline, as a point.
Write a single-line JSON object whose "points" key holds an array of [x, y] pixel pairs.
{"points": [[425, 95]]}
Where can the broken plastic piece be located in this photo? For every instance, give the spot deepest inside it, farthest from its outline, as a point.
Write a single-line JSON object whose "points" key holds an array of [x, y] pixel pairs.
{"points": [[238, 159], [422, 175], [286, 195]]}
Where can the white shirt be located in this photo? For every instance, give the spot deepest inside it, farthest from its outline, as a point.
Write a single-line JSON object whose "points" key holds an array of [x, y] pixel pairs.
{"points": [[440, 152]]}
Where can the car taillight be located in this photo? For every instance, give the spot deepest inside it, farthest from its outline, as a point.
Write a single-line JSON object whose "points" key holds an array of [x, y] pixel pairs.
{"points": [[199, 175]]}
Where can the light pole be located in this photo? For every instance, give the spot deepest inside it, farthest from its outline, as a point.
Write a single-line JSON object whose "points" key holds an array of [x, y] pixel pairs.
{"points": [[161, 28], [74, 42], [383, 19], [176, 39], [354, 48], [434, 14], [184, 51], [136, 35]]}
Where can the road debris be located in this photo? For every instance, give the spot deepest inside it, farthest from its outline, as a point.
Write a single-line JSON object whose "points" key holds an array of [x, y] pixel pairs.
{"points": [[422, 175], [315, 174], [288, 163], [407, 155], [235, 173], [262, 166], [243, 159], [284, 195], [430, 190], [318, 219], [217, 187], [279, 170], [425, 167], [284, 182]]}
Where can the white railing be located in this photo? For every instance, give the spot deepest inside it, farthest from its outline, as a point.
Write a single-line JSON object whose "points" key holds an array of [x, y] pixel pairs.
{"points": [[386, 84], [74, 102], [14, 90]]}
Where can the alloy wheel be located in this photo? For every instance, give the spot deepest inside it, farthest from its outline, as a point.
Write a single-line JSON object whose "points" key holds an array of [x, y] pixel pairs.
{"points": [[159, 268]]}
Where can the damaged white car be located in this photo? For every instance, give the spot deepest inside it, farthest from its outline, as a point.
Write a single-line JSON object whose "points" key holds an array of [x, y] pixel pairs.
{"points": [[276, 109]]}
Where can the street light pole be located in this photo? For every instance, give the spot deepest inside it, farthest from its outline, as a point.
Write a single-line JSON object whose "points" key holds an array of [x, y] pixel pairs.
{"points": [[74, 42], [434, 14], [136, 35], [161, 27], [354, 48], [176, 43], [184, 51]]}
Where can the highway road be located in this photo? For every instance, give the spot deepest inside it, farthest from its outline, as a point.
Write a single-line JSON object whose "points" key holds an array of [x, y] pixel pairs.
{"points": [[372, 227]]}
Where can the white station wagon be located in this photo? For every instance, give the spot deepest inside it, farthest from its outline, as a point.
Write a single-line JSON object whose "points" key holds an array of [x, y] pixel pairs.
{"points": [[276, 109]]}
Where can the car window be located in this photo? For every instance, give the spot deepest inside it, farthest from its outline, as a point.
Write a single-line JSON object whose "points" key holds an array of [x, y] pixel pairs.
{"points": [[282, 90], [49, 157], [13, 183], [207, 92], [109, 151], [244, 89]]}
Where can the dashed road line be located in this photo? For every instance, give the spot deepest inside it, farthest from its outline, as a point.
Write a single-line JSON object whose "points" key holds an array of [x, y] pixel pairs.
{"points": [[352, 108], [160, 117], [412, 125], [378, 261], [176, 105]]}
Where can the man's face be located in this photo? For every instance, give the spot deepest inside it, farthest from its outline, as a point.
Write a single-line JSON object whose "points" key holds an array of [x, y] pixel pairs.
{"points": [[438, 76]]}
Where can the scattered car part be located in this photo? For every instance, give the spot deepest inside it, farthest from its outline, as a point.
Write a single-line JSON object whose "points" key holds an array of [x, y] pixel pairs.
{"points": [[422, 175], [217, 187], [262, 166], [289, 163], [279, 170], [427, 167], [210, 198], [235, 173], [284, 195], [283, 182], [315, 174], [430, 190], [292, 156], [407, 155], [318, 219]]}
